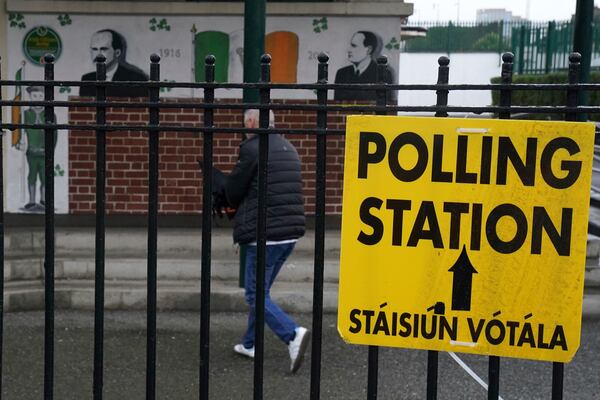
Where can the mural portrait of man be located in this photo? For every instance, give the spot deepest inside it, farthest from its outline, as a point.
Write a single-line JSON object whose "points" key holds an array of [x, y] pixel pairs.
{"points": [[364, 48], [113, 46]]}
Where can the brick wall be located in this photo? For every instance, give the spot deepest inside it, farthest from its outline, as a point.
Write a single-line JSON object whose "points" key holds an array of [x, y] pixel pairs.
{"points": [[180, 181]]}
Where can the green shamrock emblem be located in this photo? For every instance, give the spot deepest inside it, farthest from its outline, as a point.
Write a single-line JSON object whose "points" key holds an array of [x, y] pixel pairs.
{"points": [[64, 19], [16, 20], [320, 25]]}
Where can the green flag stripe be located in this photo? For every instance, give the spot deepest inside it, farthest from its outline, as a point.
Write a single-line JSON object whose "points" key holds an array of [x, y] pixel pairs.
{"points": [[18, 78]]}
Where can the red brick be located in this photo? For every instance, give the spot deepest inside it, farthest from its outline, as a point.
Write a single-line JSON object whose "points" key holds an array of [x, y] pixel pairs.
{"points": [[81, 116], [180, 179]]}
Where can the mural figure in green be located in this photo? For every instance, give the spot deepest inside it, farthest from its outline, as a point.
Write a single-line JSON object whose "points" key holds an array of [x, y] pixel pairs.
{"points": [[35, 149]]}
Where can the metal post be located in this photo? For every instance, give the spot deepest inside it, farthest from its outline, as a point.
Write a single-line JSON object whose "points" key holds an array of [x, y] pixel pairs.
{"points": [[49, 230], [505, 101], [572, 100], [443, 77], [573, 92], [582, 44], [382, 96], [261, 228], [493, 377], [432, 374], [100, 229], [373, 363], [442, 100], [321, 186], [506, 77], [558, 373], [373, 372], [254, 44], [207, 171], [153, 171], [1, 238]]}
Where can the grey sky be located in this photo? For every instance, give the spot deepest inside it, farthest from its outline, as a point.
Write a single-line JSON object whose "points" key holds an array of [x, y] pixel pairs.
{"points": [[537, 10]]}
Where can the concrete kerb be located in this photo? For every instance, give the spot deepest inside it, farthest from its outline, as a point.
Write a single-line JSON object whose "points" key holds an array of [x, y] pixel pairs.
{"points": [[179, 271]]}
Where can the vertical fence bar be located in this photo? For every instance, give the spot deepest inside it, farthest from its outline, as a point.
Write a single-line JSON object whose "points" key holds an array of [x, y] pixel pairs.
{"points": [[261, 228], [443, 76], [373, 363], [521, 59], [573, 92], [100, 230], [500, 36], [558, 368], [1, 239], [153, 141], [49, 230], [442, 100], [506, 77], [207, 171], [505, 101], [321, 173], [541, 50], [549, 45]]}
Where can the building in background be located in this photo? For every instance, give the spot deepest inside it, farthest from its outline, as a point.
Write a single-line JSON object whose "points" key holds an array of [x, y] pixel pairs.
{"points": [[486, 15]]}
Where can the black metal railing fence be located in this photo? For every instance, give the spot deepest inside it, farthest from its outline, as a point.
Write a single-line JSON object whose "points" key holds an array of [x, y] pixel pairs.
{"points": [[571, 111]]}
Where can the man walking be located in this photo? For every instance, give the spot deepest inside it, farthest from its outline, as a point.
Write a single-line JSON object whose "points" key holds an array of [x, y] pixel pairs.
{"points": [[285, 224]]}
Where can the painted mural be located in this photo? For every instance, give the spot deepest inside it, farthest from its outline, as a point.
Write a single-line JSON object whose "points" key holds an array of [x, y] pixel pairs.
{"points": [[182, 42]]}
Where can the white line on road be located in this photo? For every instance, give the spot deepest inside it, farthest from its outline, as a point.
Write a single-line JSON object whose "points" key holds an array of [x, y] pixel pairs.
{"points": [[470, 371]]}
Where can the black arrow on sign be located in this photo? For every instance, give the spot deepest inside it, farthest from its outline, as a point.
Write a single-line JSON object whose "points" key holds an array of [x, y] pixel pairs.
{"points": [[462, 282]]}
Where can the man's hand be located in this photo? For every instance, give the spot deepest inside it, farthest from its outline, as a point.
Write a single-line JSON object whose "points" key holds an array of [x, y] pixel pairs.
{"points": [[221, 206]]}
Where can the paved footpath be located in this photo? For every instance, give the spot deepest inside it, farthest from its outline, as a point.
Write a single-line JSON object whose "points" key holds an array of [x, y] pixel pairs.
{"points": [[344, 367]]}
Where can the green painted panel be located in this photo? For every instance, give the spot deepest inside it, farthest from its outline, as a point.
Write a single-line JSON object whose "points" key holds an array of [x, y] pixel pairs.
{"points": [[217, 44]]}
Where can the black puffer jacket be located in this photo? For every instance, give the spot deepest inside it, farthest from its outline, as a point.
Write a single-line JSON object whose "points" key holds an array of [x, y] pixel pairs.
{"points": [[285, 203]]}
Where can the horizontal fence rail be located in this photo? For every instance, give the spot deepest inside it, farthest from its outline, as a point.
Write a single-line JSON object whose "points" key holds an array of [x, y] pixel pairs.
{"points": [[208, 105]]}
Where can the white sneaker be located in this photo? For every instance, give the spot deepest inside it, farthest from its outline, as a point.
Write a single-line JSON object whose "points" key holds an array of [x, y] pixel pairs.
{"points": [[297, 347], [240, 349]]}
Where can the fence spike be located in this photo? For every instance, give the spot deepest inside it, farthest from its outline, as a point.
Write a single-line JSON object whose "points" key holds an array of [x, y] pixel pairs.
{"points": [[443, 76], [155, 58], [573, 94], [210, 59], [265, 59], [49, 58]]}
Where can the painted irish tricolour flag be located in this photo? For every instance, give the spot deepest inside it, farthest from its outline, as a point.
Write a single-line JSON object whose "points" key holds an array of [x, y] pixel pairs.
{"points": [[16, 109]]}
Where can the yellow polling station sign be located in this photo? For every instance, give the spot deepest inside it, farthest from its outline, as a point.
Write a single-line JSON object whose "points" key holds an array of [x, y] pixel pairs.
{"points": [[465, 235]]}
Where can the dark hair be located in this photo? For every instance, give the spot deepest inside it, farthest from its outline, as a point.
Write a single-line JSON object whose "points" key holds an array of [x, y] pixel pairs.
{"points": [[118, 41], [370, 40]]}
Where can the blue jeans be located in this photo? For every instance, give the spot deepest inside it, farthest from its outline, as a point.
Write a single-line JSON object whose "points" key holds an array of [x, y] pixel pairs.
{"points": [[279, 322]]}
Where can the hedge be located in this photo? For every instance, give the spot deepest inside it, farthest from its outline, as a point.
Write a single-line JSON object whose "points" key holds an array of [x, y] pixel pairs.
{"points": [[546, 97]]}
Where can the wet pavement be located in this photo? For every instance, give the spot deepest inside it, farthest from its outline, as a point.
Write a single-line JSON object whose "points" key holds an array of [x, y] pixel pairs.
{"points": [[402, 373]]}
